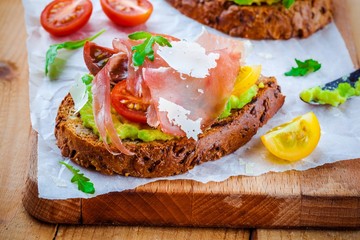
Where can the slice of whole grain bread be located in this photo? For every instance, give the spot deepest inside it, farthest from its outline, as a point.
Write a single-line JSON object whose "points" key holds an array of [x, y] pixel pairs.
{"points": [[166, 158], [259, 22]]}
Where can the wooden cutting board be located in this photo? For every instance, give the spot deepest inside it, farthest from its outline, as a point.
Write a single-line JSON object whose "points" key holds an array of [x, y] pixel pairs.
{"points": [[327, 196]]}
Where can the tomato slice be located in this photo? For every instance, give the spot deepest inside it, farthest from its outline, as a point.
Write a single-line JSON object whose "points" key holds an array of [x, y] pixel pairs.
{"points": [[127, 13], [96, 57], [63, 17], [127, 105], [294, 140], [247, 77]]}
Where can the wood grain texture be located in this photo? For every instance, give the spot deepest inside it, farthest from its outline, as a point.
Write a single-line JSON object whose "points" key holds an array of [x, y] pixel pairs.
{"points": [[15, 128], [304, 234], [352, 8], [321, 200], [16, 146], [318, 197], [52, 211], [327, 196], [149, 233], [346, 23], [15, 150]]}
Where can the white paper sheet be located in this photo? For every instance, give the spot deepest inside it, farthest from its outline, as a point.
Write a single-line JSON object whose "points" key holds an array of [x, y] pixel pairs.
{"points": [[340, 128]]}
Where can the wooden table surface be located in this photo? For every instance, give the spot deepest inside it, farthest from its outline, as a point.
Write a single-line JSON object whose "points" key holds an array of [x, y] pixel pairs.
{"points": [[15, 148]]}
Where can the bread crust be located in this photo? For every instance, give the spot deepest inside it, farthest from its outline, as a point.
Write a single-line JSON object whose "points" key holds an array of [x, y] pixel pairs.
{"points": [[259, 22], [166, 158]]}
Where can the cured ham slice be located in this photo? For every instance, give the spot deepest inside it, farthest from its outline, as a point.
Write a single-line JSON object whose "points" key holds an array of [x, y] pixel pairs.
{"points": [[135, 83], [205, 98], [187, 85], [135, 80], [101, 108]]}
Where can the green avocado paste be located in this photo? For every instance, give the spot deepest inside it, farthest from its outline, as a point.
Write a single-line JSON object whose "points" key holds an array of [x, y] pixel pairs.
{"points": [[125, 130], [259, 2], [334, 97], [237, 102], [133, 131]]}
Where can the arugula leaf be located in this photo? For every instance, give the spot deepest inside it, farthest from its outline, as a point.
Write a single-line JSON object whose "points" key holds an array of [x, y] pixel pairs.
{"points": [[304, 68], [87, 79], [288, 3], [51, 53], [145, 49], [83, 182]]}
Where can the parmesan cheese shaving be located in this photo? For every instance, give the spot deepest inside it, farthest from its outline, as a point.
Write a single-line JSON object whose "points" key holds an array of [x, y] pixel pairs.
{"points": [[178, 116], [189, 58], [79, 94]]}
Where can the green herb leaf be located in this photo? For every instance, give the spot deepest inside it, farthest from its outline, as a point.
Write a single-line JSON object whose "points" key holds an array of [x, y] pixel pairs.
{"points": [[83, 182], [52, 52], [244, 2], [139, 35], [288, 3], [87, 79], [304, 68], [145, 49]]}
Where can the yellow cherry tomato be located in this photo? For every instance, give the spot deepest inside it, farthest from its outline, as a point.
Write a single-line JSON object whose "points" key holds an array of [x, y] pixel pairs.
{"points": [[294, 140], [247, 77]]}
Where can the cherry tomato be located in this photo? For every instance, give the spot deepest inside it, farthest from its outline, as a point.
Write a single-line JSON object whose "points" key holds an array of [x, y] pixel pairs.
{"points": [[127, 13], [96, 57], [127, 105], [247, 77], [294, 140], [63, 17]]}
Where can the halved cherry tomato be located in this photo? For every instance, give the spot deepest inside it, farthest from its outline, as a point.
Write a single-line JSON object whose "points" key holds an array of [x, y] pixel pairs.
{"points": [[294, 140], [247, 77], [63, 17], [96, 57], [127, 105], [127, 13]]}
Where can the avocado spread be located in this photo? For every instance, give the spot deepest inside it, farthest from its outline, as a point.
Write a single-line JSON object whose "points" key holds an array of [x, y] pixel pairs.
{"points": [[237, 102], [258, 2], [286, 3], [125, 130], [334, 97], [134, 131]]}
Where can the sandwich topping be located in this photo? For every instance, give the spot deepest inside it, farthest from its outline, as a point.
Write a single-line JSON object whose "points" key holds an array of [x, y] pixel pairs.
{"points": [[196, 63], [286, 3], [181, 87]]}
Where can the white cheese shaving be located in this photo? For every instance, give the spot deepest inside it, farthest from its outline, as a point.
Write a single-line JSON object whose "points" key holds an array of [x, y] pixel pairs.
{"points": [[178, 116], [189, 58], [79, 94]]}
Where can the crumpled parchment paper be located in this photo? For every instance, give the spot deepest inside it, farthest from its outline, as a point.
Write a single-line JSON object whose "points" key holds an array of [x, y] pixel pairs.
{"points": [[340, 126]]}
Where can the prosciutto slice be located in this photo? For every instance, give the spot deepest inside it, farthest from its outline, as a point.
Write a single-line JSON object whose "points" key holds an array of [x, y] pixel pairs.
{"points": [[135, 81], [204, 99], [181, 103], [102, 106]]}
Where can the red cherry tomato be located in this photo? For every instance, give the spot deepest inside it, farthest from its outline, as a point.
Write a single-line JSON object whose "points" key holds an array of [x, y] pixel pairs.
{"points": [[96, 57], [127, 105], [127, 13], [63, 17]]}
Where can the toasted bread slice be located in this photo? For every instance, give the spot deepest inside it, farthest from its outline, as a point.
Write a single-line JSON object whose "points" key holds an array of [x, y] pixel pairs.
{"points": [[166, 158], [259, 22]]}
